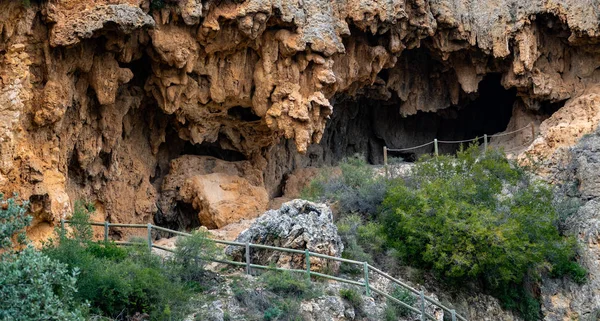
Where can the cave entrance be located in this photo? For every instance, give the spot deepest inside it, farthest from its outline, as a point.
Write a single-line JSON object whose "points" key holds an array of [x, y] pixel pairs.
{"points": [[491, 111], [369, 124]]}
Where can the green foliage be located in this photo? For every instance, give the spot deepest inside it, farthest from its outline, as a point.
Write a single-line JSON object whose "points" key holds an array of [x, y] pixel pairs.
{"points": [[354, 298], [288, 283], [13, 220], [192, 253], [356, 190], [124, 281], [405, 296], [32, 286], [362, 241], [264, 305], [477, 217]]}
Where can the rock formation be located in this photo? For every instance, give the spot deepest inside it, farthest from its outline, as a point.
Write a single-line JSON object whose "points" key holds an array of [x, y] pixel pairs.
{"points": [[298, 224], [127, 103]]}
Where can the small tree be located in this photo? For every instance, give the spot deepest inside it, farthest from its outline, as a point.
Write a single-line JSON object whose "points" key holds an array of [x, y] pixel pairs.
{"points": [[32, 286]]}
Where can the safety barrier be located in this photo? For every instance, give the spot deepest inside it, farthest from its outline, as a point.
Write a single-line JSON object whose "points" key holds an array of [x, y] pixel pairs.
{"points": [[366, 267], [436, 143]]}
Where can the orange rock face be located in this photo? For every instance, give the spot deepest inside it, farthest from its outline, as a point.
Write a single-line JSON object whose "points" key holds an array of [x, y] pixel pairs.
{"points": [[121, 102]]}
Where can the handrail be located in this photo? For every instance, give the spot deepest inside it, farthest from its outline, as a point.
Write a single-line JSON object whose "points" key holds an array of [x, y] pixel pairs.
{"points": [[365, 266]]}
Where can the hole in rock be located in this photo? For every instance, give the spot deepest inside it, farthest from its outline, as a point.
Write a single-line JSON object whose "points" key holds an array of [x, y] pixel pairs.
{"points": [[243, 114], [365, 125], [214, 150]]}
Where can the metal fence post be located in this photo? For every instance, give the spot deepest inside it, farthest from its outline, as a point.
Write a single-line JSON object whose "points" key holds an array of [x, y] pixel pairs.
{"points": [[453, 312], [435, 147], [422, 306], [366, 269], [149, 236], [105, 231], [307, 261], [485, 140], [247, 257], [385, 161]]}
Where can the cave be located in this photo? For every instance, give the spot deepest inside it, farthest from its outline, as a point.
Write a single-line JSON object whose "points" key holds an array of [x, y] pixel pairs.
{"points": [[354, 129]]}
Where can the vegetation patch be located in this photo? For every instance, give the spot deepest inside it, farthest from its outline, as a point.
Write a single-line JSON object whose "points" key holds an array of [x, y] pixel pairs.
{"points": [[474, 217]]}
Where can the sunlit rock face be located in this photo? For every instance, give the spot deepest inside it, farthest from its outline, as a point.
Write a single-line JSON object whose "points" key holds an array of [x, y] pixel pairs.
{"points": [[101, 100]]}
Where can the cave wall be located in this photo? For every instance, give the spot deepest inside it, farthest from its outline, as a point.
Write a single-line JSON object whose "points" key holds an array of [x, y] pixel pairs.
{"points": [[99, 99]]}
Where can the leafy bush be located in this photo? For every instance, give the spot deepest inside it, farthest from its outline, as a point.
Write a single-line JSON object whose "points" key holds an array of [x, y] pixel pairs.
{"points": [[119, 282], [405, 296], [13, 220], [354, 298], [32, 286], [477, 217], [265, 305], [363, 242], [192, 253], [288, 283], [357, 190]]}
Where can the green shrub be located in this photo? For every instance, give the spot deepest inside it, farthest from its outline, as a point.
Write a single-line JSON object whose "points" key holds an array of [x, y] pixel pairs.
{"points": [[405, 296], [192, 253], [13, 220], [356, 190], [477, 217], [32, 286], [288, 283], [354, 298], [124, 281]]}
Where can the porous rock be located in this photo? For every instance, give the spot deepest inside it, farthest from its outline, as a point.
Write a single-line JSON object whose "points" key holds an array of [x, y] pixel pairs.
{"points": [[298, 224]]}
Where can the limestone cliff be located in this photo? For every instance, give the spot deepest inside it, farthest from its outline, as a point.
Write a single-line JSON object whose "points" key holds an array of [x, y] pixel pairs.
{"points": [[169, 110]]}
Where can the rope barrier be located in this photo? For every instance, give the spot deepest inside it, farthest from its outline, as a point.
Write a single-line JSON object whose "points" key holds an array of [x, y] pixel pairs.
{"points": [[459, 141], [435, 143], [410, 148]]}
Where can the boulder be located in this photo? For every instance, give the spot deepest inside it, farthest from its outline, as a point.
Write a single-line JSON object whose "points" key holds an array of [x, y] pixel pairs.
{"points": [[299, 225]]}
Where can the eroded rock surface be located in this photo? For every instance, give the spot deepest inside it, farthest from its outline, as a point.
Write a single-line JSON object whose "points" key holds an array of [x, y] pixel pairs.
{"points": [[99, 99], [298, 224]]}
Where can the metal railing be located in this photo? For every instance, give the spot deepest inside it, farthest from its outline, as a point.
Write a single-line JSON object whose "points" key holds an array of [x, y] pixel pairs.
{"points": [[366, 267]]}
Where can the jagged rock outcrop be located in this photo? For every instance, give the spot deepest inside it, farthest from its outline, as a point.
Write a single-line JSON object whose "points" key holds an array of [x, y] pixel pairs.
{"points": [[299, 225], [98, 99], [564, 298]]}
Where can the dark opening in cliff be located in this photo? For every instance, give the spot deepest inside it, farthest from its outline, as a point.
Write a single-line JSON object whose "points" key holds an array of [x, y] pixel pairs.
{"points": [[364, 125]]}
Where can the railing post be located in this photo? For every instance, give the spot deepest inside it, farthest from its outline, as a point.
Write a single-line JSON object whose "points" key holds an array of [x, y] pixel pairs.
{"points": [[247, 257], [150, 236], [307, 253], [366, 270], [106, 231], [385, 161], [62, 225], [453, 312], [485, 141], [435, 147], [422, 306], [532, 131]]}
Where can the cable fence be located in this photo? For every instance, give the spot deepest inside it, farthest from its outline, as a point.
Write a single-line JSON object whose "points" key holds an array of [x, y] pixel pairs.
{"points": [[368, 271], [436, 143]]}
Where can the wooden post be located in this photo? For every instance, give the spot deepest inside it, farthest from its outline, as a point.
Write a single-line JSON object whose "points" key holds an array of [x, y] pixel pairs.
{"points": [[247, 257], [106, 231], [423, 318], [485, 141], [62, 227], [532, 131], [453, 312], [385, 161], [149, 236], [435, 147], [366, 270], [307, 254]]}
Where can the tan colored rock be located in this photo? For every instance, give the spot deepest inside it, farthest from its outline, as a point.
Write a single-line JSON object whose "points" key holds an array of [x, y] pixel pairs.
{"points": [[223, 199]]}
